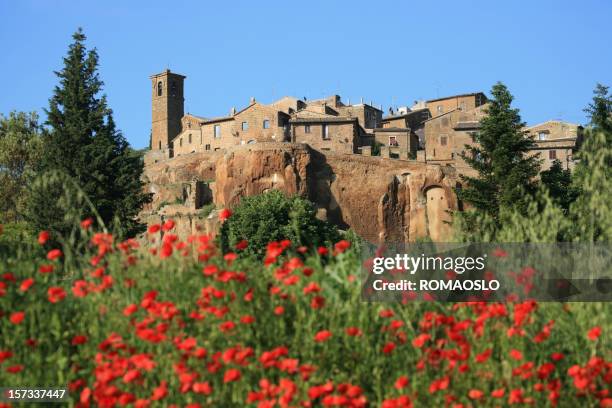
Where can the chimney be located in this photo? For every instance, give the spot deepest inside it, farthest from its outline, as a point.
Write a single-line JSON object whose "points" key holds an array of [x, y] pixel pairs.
{"points": [[233, 111], [252, 101]]}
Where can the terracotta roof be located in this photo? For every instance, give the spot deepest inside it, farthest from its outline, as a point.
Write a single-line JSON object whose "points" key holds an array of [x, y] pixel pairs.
{"points": [[392, 129], [472, 124], [219, 119]]}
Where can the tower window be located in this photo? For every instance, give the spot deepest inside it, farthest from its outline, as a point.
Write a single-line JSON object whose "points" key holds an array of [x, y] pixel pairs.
{"points": [[266, 124], [159, 89], [173, 88], [245, 126], [217, 131]]}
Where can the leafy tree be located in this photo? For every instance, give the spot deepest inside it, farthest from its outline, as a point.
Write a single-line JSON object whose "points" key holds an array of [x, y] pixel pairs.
{"points": [[506, 174], [558, 181], [82, 141], [273, 217], [20, 151]]}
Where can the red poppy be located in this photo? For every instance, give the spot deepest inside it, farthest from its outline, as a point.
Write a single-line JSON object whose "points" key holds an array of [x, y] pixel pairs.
{"points": [[231, 375], [26, 284], [224, 214], [202, 388], [279, 310], [322, 336], [353, 331], [154, 228], [160, 392], [17, 317], [43, 237], [516, 354], [341, 246], [79, 339], [420, 340], [56, 294], [168, 225], [130, 310], [242, 245], [594, 333], [388, 348], [475, 394], [401, 382], [322, 251], [54, 254], [86, 223], [499, 393], [45, 268]]}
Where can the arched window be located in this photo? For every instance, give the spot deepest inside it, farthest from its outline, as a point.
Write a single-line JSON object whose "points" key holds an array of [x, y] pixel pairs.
{"points": [[173, 89], [160, 145], [159, 89]]}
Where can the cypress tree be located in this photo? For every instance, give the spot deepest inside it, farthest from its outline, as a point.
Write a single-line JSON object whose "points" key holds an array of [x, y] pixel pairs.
{"points": [[82, 142], [506, 174]]}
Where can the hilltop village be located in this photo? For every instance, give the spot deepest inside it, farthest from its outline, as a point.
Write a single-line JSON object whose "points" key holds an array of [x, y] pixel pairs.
{"points": [[412, 154]]}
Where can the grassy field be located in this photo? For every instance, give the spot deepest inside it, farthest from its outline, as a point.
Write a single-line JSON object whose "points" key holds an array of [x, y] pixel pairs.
{"points": [[172, 322]]}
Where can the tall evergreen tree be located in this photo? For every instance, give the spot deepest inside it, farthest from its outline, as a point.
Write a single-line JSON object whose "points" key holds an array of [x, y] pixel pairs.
{"points": [[600, 109], [506, 174], [82, 141], [558, 181]]}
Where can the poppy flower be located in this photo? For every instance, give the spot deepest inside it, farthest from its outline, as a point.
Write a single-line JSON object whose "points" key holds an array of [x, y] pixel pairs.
{"points": [[388, 348], [54, 254], [130, 310], [322, 251], [168, 225], [475, 394], [279, 310], [56, 294], [353, 331], [45, 268], [160, 392], [231, 375], [224, 214], [79, 339], [594, 333], [86, 223], [516, 354], [420, 340], [17, 317], [43, 237], [154, 228], [26, 284], [242, 245], [322, 336], [401, 382]]}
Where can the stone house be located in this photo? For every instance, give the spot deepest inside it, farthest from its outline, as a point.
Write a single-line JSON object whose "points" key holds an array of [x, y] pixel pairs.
{"points": [[555, 140], [465, 102], [413, 120]]}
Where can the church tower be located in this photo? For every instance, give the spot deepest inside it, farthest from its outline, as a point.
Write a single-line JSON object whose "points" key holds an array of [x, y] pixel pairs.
{"points": [[167, 108]]}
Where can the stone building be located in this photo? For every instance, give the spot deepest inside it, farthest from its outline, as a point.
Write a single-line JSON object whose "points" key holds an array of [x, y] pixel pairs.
{"points": [[167, 108], [555, 140], [464, 102]]}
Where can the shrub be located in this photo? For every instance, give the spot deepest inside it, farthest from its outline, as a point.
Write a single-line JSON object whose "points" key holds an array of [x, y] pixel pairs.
{"points": [[271, 217]]}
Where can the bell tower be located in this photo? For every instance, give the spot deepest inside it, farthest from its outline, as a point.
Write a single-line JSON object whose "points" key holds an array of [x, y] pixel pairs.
{"points": [[167, 108]]}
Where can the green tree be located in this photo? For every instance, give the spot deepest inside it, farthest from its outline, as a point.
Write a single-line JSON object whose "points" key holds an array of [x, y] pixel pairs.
{"points": [[273, 217], [20, 151], [558, 181], [82, 141], [506, 173], [600, 109]]}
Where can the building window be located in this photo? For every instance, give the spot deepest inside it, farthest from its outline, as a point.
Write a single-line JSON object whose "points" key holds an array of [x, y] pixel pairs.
{"points": [[443, 140], [190, 138], [325, 129], [173, 88], [160, 145], [159, 89], [434, 152], [217, 131], [462, 105], [393, 141], [266, 124], [207, 147], [542, 135], [439, 109], [552, 154], [245, 126], [306, 128], [181, 141]]}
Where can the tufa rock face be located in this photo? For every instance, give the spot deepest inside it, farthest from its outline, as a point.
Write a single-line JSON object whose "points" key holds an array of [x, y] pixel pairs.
{"points": [[382, 200]]}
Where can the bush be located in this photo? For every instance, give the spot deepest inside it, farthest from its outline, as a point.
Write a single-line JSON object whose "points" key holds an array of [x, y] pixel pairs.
{"points": [[273, 217]]}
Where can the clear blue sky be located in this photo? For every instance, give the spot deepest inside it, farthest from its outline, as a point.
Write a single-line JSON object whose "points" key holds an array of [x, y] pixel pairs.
{"points": [[549, 53]]}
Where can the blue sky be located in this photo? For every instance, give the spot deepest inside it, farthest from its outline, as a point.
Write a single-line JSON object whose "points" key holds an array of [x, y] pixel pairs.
{"points": [[549, 53]]}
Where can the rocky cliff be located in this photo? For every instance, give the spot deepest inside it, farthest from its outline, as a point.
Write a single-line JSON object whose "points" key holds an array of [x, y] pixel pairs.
{"points": [[380, 199]]}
